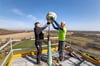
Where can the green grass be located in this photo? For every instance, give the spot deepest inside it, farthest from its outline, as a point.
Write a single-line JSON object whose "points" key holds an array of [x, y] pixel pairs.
{"points": [[2, 58], [24, 44], [82, 43], [27, 44], [82, 38]]}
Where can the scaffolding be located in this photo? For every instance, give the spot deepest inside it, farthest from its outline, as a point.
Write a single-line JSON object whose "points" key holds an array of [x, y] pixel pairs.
{"points": [[77, 57]]}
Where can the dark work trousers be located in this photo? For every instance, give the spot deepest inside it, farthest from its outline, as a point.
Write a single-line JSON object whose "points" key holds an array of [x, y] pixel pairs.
{"points": [[38, 45], [61, 46]]}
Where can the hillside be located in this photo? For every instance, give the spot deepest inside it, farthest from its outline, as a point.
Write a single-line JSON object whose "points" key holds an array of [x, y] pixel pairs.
{"points": [[5, 31]]}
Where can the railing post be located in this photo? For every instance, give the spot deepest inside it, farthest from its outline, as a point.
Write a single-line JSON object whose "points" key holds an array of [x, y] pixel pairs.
{"points": [[70, 40], [11, 45]]}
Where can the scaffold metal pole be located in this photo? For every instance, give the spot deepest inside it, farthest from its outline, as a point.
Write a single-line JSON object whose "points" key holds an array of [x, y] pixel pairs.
{"points": [[49, 48]]}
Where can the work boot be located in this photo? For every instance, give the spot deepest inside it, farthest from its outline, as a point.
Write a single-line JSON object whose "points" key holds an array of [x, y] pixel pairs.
{"points": [[41, 64], [38, 63], [61, 59]]}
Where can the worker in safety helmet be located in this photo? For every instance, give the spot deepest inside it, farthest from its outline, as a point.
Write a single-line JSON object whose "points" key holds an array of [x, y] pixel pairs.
{"points": [[39, 36], [61, 36]]}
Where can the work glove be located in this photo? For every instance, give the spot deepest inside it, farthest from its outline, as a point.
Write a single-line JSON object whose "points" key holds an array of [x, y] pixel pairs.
{"points": [[52, 19], [48, 23]]}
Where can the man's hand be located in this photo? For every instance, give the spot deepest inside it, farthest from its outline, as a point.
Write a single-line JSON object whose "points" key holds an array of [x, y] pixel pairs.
{"points": [[48, 23], [52, 19]]}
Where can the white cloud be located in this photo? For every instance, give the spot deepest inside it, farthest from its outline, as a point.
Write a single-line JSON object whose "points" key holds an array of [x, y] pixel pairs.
{"points": [[32, 17], [42, 21], [18, 12], [15, 24]]}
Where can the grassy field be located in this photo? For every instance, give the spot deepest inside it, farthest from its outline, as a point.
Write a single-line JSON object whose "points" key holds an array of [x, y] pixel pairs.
{"points": [[25, 35], [2, 56], [25, 44]]}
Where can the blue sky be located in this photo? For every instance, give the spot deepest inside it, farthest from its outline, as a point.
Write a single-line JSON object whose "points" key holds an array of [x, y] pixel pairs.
{"points": [[78, 14]]}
